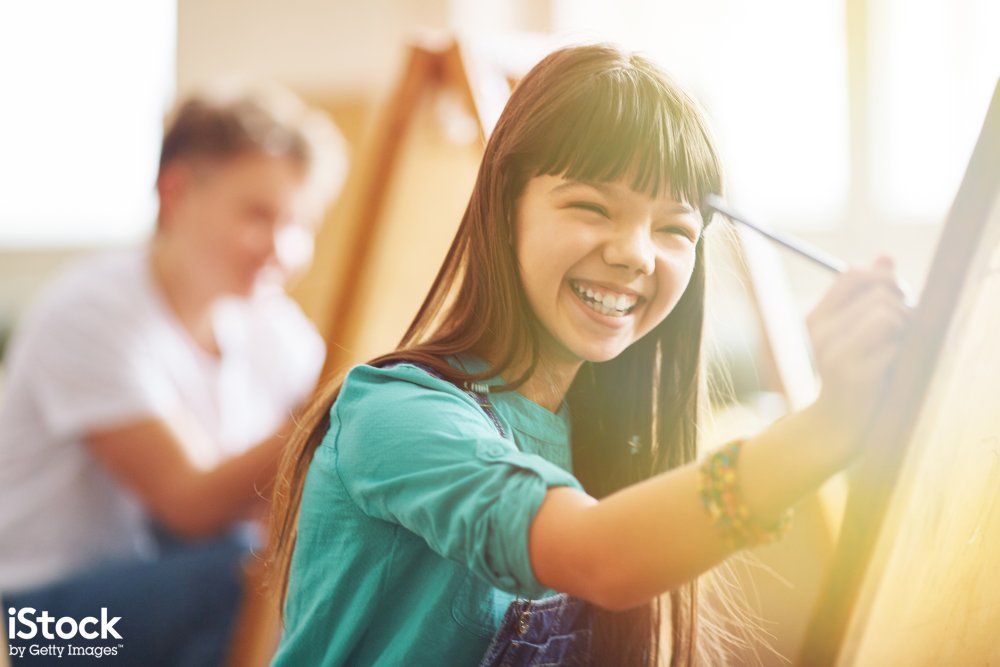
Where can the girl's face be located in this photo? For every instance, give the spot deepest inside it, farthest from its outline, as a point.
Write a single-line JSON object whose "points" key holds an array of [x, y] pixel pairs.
{"points": [[601, 264]]}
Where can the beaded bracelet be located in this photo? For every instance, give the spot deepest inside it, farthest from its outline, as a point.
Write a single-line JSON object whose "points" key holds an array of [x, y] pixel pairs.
{"points": [[720, 493]]}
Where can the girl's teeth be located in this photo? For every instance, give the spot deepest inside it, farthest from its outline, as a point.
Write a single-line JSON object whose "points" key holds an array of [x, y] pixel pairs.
{"points": [[606, 304]]}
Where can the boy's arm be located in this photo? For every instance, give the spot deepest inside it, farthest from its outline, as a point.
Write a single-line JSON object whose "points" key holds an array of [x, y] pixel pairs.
{"points": [[148, 457]]}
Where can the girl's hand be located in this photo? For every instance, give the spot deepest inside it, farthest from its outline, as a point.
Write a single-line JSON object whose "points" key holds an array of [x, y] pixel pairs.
{"points": [[855, 330]]}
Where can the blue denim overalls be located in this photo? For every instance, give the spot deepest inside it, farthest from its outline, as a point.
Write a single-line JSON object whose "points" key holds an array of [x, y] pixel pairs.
{"points": [[534, 633]]}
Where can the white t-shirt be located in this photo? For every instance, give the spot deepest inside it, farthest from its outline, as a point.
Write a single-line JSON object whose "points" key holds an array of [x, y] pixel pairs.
{"points": [[100, 349]]}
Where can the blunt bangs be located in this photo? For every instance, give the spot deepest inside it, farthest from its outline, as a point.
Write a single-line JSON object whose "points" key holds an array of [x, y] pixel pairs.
{"points": [[628, 123]]}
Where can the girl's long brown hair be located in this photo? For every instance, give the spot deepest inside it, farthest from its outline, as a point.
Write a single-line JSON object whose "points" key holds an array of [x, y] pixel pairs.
{"points": [[591, 113]]}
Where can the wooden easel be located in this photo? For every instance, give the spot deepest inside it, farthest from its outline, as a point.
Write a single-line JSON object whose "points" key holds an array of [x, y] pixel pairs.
{"points": [[914, 581], [4, 658], [431, 68], [800, 560]]}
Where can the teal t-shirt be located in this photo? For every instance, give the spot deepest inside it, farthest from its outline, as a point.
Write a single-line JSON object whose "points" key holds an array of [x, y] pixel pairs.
{"points": [[413, 528]]}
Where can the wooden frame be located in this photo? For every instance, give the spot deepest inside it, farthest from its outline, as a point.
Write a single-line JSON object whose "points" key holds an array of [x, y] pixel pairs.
{"points": [[840, 618], [785, 580], [429, 66], [4, 658]]}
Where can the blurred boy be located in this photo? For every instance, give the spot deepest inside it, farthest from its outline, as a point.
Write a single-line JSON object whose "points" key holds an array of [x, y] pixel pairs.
{"points": [[149, 392]]}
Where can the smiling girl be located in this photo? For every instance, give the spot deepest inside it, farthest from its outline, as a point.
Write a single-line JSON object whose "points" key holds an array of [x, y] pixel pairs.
{"points": [[536, 430]]}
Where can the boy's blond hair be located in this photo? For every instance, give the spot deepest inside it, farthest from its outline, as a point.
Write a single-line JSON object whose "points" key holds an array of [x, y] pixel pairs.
{"points": [[237, 118]]}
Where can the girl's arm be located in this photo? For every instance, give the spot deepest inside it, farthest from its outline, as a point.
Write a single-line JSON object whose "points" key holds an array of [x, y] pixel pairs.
{"points": [[653, 536]]}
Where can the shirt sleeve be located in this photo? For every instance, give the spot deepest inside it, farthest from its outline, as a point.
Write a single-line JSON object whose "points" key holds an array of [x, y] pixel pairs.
{"points": [[295, 349], [428, 459], [91, 368]]}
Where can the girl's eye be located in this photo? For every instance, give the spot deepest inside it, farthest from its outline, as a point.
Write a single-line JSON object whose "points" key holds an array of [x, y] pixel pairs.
{"points": [[681, 231], [589, 206]]}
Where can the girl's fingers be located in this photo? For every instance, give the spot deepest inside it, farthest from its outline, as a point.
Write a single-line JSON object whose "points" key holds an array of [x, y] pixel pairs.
{"points": [[844, 288], [830, 318], [880, 329], [879, 362], [827, 326], [885, 264], [849, 283], [875, 295], [856, 332], [852, 353]]}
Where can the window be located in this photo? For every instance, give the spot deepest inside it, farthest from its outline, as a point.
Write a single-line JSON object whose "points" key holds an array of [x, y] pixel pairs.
{"points": [[827, 110], [777, 96], [934, 66], [85, 88]]}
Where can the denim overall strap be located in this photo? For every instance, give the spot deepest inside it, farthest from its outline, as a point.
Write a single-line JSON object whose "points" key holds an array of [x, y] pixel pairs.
{"points": [[479, 391], [542, 633], [533, 633]]}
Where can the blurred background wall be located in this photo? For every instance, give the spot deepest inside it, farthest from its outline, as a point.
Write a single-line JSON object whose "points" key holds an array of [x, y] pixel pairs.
{"points": [[847, 122]]}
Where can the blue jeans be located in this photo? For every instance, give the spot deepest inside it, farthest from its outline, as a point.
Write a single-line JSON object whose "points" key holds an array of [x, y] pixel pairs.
{"points": [[542, 633], [178, 608]]}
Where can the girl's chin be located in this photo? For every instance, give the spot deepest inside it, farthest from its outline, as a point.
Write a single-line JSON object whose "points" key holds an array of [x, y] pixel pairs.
{"points": [[596, 353], [604, 356]]}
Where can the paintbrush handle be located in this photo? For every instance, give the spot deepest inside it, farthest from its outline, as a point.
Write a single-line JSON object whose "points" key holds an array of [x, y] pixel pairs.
{"points": [[802, 248]]}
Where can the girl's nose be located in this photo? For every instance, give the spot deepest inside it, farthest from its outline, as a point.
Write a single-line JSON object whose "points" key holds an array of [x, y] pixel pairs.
{"points": [[631, 249]]}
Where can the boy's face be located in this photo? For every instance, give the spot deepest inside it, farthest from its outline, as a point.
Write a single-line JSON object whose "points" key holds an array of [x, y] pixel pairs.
{"points": [[241, 223]]}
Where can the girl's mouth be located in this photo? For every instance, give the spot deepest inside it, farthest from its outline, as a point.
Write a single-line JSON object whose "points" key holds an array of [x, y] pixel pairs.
{"points": [[604, 301]]}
